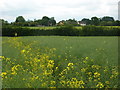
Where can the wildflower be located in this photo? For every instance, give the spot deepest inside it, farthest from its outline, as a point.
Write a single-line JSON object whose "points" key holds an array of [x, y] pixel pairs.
{"points": [[70, 64], [105, 70], [53, 82], [2, 57], [62, 82], [96, 74], [90, 78], [77, 73], [86, 58], [44, 84], [95, 80], [100, 85], [96, 66], [23, 79], [84, 61], [83, 69], [89, 73], [74, 79], [3, 74], [51, 61], [98, 78], [68, 68], [107, 82], [56, 68], [81, 82], [14, 73], [23, 51]]}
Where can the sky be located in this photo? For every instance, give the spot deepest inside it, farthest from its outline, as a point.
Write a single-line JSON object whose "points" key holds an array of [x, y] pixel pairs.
{"points": [[59, 9]]}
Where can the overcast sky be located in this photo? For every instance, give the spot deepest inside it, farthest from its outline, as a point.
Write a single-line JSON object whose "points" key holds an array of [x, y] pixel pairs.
{"points": [[60, 9]]}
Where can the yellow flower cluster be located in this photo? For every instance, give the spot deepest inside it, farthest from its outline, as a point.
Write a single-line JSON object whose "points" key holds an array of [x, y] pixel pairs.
{"points": [[96, 67], [100, 85], [73, 83], [96, 74]]}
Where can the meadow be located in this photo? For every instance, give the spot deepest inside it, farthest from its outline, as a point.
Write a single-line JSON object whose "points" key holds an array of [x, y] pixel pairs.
{"points": [[60, 62]]}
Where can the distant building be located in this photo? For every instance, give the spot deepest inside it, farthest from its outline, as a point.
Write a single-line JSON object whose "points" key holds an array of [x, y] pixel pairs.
{"points": [[82, 23]]}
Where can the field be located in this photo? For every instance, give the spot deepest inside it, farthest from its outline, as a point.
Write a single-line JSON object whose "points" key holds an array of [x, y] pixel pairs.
{"points": [[78, 27], [60, 62]]}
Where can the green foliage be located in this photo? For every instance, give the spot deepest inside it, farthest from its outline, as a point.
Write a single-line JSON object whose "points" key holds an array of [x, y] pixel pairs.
{"points": [[86, 21], [95, 21], [4, 22], [66, 30], [107, 18], [20, 19]]}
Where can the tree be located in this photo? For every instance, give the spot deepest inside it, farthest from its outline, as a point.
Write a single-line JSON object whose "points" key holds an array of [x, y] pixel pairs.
{"points": [[95, 21], [71, 22], [20, 19], [107, 18], [45, 21], [117, 23], [52, 21], [4, 22], [86, 21]]}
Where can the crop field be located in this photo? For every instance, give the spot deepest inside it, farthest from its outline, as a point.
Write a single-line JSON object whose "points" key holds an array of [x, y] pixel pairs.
{"points": [[43, 27], [59, 62], [78, 27]]}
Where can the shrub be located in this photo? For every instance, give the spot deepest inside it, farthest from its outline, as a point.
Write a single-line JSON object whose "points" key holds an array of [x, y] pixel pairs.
{"points": [[67, 30]]}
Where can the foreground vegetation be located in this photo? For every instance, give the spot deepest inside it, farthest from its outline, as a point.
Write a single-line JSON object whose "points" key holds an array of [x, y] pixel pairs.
{"points": [[60, 62]]}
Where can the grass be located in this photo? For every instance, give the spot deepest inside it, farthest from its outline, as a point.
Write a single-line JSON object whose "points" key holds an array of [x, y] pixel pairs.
{"points": [[53, 27], [43, 27], [60, 62]]}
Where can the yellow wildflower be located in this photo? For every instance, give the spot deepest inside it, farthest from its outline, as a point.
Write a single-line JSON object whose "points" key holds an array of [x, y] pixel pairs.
{"points": [[81, 82], [70, 64], [86, 58], [2, 57], [23, 51], [107, 82], [96, 66], [53, 82], [83, 69], [96, 74], [4, 73], [100, 85]]}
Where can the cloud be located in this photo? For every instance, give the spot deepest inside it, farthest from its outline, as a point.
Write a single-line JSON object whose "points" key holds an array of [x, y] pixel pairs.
{"points": [[60, 9]]}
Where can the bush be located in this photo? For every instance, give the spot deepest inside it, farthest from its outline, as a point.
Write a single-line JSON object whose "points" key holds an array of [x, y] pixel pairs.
{"points": [[67, 30]]}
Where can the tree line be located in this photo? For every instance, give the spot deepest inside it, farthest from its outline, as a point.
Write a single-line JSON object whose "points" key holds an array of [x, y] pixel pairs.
{"points": [[50, 21]]}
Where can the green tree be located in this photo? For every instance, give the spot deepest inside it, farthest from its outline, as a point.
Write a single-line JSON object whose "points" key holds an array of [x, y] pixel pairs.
{"points": [[4, 22], [72, 22], [95, 21], [86, 21], [45, 21], [107, 18], [52, 21], [20, 19]]}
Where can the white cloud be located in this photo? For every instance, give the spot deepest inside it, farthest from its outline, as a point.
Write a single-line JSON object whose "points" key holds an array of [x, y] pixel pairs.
{"points": [[60, 9]]}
